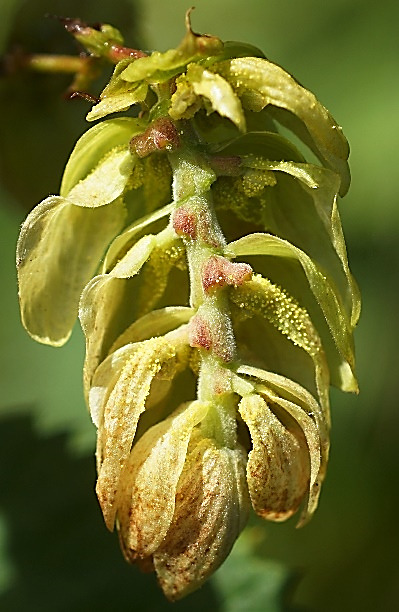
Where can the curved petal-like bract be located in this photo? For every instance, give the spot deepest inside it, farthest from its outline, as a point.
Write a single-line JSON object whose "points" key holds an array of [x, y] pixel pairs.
{"points": [[154, 323], [123, 407], [102, 299], [259, 83], [287, 205], [150, 481], [105, 183], [211, 510], [322, 288], [93, 146], [119, 95], [54, 236], [289, 390], [260, 296], [118, 246], [160, 67], [73, 230], [218, 92], [278, 469], [315, 441], [310, 417]]}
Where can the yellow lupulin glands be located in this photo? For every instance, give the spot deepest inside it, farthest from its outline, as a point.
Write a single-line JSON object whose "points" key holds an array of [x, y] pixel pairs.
{"points": [[260, 296], [206, 260]]}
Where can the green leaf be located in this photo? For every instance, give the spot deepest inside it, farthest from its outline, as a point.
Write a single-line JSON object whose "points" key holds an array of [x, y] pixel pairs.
{"points": [[98, 41], [118, 95], [340, 247], [322, 288], [160, 67], [333, 160], [259, 83], [156, 68], [54, 262], [117, 103], [232, 48]]}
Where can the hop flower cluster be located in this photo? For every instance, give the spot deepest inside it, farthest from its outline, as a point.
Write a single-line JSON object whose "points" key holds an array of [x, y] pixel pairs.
{"points": [[205, 258]]}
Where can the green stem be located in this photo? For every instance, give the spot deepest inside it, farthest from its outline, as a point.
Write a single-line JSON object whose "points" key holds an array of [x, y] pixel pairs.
{"points": [[212, 330], [214, 386], [85, 69], [56, 63]]}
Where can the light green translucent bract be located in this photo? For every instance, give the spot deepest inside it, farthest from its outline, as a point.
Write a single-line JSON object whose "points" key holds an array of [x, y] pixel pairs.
{"points": [[320, 285], [64, 237], [261, 83], [95, 144]]}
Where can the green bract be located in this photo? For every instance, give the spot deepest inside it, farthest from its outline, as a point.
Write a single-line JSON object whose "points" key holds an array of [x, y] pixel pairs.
{"points": [[205, 257]]}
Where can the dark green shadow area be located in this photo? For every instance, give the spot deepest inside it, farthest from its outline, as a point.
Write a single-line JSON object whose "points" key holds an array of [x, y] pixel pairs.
{"points": [[38, 116], [61, 556]]}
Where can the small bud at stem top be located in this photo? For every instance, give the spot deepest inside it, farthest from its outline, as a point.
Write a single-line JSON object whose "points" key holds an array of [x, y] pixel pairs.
{"points": [[161, 135]]}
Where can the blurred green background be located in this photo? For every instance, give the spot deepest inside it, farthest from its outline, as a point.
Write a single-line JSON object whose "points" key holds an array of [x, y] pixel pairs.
{"points": [[55, 553]]}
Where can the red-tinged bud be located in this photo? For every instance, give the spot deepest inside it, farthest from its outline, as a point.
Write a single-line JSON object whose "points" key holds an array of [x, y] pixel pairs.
{"points": [[219, 272], [201, 44], [200, 335], [77, 26], [185, 223], [213, 334], [119, 52], [161, 135]]}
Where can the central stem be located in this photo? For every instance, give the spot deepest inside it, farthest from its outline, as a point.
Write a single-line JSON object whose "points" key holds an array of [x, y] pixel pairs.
{"points": [[211, 327]]}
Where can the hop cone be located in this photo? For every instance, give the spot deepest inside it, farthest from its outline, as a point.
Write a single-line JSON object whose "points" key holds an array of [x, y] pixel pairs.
{"points": [[205, 259]]}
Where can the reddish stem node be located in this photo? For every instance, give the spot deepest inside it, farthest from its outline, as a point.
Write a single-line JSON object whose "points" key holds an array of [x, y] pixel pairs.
{"points": [[200, 334], [226, 166], [185, 223], [161, 135], [119, 52], [219, 272]]}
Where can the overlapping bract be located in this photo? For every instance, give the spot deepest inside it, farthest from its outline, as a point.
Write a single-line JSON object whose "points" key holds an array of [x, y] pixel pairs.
{"points": [[176, 475]]}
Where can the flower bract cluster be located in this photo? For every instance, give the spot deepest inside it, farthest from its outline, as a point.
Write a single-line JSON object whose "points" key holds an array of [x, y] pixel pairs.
{"points": [[204, 256]]}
